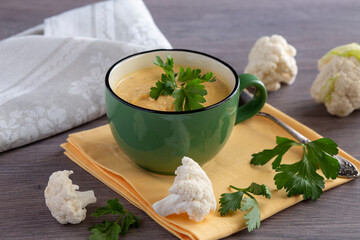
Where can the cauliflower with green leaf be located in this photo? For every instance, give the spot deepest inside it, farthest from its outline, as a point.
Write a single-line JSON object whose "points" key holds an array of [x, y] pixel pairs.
{"points": [[338, 83], [272, 60]]}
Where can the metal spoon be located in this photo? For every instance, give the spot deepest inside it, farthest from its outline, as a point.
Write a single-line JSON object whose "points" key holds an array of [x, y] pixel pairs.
{"points": [[347, 169]]}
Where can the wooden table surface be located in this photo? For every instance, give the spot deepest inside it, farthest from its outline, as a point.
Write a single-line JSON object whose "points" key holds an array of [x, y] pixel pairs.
{"points": [[226, 29]]}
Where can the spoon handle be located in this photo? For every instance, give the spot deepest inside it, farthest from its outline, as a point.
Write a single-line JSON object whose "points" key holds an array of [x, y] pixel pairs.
{"points": [[347, 169]]}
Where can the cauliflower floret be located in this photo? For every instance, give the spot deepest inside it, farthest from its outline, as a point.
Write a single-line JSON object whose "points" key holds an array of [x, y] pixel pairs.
{"points": [[338, 83], [65, 203], [272, 60], [191, 192]]}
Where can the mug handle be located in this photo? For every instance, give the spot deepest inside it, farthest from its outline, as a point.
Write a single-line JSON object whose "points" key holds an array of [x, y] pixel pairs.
{"points": [[252, 107]]}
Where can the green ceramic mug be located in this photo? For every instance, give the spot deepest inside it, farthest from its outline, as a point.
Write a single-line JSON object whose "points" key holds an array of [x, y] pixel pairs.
{"points": [[158, 140]]}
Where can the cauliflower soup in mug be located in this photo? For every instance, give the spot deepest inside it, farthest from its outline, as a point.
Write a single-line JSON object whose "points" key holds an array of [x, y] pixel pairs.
{"points": [[135, 89], [158, 140]]}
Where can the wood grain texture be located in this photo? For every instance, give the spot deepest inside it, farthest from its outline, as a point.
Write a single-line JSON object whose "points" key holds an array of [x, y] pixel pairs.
{"points": [[226, 29]]}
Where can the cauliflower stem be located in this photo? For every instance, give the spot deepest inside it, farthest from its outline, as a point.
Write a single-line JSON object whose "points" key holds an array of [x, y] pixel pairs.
{"points": [[171, 204]]}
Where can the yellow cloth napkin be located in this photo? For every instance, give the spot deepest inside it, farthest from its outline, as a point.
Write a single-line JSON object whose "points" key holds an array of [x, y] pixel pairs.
{"points": [[96, 151]]}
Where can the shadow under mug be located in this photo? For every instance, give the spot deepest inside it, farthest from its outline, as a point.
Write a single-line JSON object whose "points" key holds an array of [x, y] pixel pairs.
{"points": [[158, 140]]}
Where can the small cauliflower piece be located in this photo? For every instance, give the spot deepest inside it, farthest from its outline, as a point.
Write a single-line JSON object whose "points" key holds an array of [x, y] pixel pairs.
{"points": [[338, 83], [191, 192], [65, 203], [272, 60]]}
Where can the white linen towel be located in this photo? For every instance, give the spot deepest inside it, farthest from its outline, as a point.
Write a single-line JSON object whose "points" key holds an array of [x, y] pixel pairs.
{"points": [[52, 76]]}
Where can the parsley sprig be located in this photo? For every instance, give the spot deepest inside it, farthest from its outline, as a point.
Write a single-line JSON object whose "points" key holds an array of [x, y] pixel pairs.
{"points": [[109, 230], [301, 177], [190, 94], [230, 202]]}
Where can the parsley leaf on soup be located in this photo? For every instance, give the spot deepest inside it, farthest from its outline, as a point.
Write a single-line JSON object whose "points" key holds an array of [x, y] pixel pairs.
{"points": [[190, 93], [190, 96]]}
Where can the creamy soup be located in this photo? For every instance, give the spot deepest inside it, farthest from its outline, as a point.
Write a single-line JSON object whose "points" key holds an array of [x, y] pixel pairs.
{"points": [[135, 88]]}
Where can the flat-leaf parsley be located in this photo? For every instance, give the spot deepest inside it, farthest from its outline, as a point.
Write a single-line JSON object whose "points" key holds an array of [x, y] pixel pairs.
{"points": [[190, 94], [230, 202], [109, 230], [301, 177]]}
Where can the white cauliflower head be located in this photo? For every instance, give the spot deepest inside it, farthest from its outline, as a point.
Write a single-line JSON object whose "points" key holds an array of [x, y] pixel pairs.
{"points": [[272, 60], [191, 192], [338, 83], [65, 203]]}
